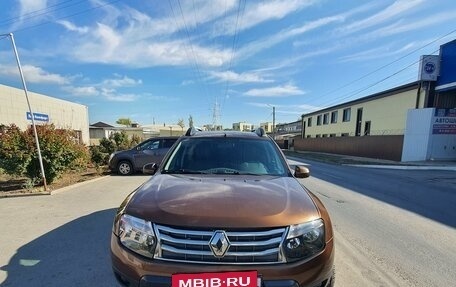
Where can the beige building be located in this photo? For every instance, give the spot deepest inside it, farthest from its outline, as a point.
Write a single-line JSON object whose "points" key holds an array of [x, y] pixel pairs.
{"points": [[384, 113], [103, 130], [242, 126], [47, 110], [268, 127]]}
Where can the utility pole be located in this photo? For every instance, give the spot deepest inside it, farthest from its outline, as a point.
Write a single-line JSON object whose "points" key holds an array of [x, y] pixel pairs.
{"points": [[215, 115], [273, 122], [40, 159]]}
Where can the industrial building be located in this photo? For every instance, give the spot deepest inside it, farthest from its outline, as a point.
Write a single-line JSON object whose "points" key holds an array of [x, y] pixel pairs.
{"points": [[412, 122], [46, 110]]}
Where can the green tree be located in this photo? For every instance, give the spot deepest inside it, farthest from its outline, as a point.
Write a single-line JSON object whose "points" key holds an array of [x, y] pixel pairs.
{"points": [[190, 121], [121, 140], [124, 121]]}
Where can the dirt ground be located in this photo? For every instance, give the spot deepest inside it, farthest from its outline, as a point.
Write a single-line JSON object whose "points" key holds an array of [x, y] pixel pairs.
{"points": [[11, 186]]}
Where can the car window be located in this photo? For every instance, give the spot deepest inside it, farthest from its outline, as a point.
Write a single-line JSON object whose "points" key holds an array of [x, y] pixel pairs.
{"points": [[167, 143], [150, 145], [222, 155]]}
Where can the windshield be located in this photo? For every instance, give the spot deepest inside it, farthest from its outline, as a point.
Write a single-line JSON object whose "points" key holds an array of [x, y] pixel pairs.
{"points": [[225, 156]]}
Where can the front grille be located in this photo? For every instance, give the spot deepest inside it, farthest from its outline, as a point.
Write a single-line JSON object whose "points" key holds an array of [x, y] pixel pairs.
{"points": [[259, 246]]}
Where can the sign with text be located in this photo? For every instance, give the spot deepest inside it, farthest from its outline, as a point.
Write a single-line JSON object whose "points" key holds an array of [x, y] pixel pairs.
{"points": [[444, 122], [221, 279], [38, 117]]}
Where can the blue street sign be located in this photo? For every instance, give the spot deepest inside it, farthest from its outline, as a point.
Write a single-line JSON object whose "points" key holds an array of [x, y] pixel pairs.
{"points": [[38, 117]]}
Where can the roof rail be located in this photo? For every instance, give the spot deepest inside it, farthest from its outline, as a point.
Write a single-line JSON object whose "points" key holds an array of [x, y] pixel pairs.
{"points": [[192, 131], [259, 131]]}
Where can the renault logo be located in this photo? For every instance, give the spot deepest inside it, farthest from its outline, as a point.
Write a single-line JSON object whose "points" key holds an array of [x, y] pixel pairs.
{"points": [[219, 244]]}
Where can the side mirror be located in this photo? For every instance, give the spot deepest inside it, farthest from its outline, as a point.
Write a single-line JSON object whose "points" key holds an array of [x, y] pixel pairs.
{"points": [[150, 168], [301, 172]]}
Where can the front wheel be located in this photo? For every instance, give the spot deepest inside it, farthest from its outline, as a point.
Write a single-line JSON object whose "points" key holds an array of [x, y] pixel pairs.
{"points": [[124, 168]]}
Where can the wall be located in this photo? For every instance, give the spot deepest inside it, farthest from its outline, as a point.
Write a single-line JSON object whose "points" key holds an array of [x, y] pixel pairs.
{"points": [[387, 115], [63, 114], [381, 147], [434, 130]]}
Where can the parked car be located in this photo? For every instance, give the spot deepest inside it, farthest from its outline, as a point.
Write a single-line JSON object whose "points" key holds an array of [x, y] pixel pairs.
{"points": [[223, 209], [126, 162]]}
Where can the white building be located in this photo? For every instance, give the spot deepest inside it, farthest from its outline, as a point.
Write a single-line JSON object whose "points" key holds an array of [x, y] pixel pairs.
{"points": [[47, 110]]}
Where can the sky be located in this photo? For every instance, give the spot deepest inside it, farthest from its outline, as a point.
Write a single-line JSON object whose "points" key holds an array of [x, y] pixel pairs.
{"points": [[219, 61]]}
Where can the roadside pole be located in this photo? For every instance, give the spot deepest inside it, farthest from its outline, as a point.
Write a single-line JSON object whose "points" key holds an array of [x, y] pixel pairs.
{"points": [[40, 159]]}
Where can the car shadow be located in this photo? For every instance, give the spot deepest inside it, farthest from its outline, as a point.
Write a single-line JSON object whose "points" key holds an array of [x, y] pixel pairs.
{"points": [[431, 194], [74, 254]]}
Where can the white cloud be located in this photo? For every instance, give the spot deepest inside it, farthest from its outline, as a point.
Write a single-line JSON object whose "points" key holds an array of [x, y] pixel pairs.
{"points": [[399, 7], [82, 91], [72, 27], [230, 76], [28, 6], [107, 89], [112, 95], [120, 81], [406, 26], [187, 82], [283, 35], [257, 13], [34, 74], [278, 91]]}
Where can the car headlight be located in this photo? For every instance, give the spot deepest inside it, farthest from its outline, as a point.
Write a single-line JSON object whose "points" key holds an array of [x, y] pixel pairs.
{"points": [[304, 240], [137, 235]]}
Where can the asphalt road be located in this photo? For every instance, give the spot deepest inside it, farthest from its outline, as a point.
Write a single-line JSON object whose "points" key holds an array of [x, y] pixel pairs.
{"points": [[392, 228], [63, 239]]}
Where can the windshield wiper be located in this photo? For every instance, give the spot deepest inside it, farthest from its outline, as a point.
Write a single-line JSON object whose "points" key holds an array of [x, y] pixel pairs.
{"points": [[182, 171]]}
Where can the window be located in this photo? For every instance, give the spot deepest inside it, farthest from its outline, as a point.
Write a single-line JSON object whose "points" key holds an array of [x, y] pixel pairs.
{"points": [[346, 115], [325, 135], [332, 135], [317, 136], [309, 136], [309, 122], [334, 117], [367, 128], [151, 145], [326, 118], [167, 143], [344, 134], [319, 120]]}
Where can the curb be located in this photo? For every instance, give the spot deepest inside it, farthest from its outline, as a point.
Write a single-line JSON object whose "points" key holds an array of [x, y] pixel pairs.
{"points": [[405, 167], [60, 190], [52, 192]]}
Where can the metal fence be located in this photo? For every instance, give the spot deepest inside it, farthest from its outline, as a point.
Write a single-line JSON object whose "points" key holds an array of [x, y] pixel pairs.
{"points": [[373, 146]]}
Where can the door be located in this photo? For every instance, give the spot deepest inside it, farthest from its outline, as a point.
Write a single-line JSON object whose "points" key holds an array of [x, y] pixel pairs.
{"points": [[147, 152], [367, 128], [359, 121]]}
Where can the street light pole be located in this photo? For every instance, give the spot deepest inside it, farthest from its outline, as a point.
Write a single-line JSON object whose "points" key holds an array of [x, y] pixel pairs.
{"points": [[40, 159]]}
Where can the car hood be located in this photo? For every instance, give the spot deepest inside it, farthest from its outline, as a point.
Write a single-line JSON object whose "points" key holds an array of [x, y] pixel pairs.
{"points": [[222, 201]]}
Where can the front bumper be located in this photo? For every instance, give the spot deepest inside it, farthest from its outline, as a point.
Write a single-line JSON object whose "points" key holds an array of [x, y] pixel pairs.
{"points": [[133, 270]]}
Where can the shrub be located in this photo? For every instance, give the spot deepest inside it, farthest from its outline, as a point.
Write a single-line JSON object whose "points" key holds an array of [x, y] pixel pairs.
{"points": [[98, 157], [59, 151]]}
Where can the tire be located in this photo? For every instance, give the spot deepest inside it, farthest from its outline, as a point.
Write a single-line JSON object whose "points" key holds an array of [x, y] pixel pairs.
{"points": [[124, 167]]}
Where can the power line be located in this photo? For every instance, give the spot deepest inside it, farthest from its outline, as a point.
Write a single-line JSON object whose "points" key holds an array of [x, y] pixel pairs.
{"points": [[68, 16], [389, 64], [233, 49], [35, 13], [349, 95]]}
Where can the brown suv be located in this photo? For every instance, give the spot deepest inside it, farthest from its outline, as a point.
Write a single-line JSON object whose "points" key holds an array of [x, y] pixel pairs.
{"points": [[223, 210]]}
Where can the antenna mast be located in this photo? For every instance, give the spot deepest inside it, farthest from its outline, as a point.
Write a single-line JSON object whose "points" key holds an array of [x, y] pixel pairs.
{"points": [[215, 115]]}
